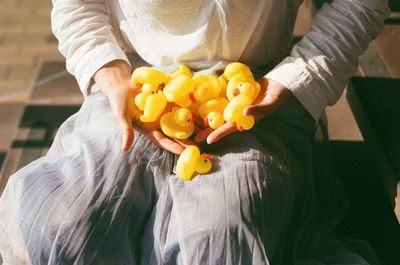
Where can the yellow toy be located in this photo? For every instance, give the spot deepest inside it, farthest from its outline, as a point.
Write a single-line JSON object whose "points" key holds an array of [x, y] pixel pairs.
{"points": [[155, 105], [235, 68], [191, 161], [240, 84], [183, 70], [180, 91], [146, 91], [216, 104], [211, 111], [222, 84], [206, 87], [148, 100], [214, 120], [178, 124], [234, 113], [147, 75]]}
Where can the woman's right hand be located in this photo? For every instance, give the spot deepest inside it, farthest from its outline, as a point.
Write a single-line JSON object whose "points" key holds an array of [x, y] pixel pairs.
{"points": [[114, 81]]}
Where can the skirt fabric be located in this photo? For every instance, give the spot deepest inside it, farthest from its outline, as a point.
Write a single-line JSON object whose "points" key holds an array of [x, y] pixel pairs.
{"points": [[86, 202]]}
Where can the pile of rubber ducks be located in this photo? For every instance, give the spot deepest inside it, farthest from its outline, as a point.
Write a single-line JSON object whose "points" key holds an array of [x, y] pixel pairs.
{"points": [[212, 100]]}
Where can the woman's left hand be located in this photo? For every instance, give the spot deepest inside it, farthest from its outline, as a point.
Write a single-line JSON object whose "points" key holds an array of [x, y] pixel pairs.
{"points": [[272, 97]]}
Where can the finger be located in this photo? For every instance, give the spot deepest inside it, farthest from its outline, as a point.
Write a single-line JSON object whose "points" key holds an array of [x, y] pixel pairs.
{"points": [[126, 129], [202, 135], [225, 129], [162, 141], [184, 142], [262, 109], [263, 81]]}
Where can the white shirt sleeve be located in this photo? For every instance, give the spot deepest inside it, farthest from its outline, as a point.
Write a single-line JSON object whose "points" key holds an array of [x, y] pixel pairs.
{"points": [[85, 37], [321, 64]]}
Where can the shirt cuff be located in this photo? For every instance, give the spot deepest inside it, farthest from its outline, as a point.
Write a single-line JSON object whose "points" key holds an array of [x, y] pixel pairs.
{"points": [[292, 73], [93, 61]]}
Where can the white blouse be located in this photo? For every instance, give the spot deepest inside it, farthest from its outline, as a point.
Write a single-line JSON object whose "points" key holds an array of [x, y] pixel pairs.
{"points": [[203, 33]]}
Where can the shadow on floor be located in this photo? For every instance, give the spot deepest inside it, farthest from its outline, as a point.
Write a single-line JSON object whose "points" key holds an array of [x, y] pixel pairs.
{"points": [[370, 216], [2, 157]]}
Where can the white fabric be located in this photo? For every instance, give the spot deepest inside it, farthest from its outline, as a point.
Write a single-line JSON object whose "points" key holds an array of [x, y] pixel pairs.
{"points": [[256, 32], [87, 203]]}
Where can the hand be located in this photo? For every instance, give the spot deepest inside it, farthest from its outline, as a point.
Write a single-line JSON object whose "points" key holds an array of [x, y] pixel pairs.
{"points": [[272, 96], [114, 81]]}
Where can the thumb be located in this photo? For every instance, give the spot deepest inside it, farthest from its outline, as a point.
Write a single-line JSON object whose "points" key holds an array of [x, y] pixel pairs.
{"points": [[262, 109], [126, 129]]}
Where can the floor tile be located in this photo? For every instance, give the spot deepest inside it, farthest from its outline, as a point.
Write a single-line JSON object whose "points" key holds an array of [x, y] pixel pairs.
{"points": [[304, 19], [10, 116], [14, 97], [371, 63], [388, 44], [341, 123], [63, 90]]}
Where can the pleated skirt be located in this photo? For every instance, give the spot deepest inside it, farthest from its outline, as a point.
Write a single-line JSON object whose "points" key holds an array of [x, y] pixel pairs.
{"points": [[87, 202]]}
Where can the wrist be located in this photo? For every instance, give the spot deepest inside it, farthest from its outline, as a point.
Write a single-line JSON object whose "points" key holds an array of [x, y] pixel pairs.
{"points": [[114, 75]]}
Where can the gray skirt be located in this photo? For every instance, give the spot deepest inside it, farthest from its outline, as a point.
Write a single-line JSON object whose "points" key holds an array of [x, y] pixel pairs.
{"points": [[86, 202]]}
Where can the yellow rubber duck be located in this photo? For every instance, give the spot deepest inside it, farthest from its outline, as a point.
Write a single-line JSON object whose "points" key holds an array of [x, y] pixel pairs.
{"points": [[180, 91], [214, 120], [191, 161], [206, 87], [222, 84], [194, 108], [178, 124], [146, 91], [148, 100], [234, 113], [147, 75], [155, 105], [211, 111], [241, 84], [183, 70], [235, 68]]}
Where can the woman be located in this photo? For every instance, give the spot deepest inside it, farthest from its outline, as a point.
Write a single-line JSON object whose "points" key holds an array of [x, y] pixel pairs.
{"points": [[88, 202]]}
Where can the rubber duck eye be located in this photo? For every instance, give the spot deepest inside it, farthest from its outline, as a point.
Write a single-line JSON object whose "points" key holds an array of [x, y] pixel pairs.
{"points": [[211, 119], [205, 160], [188, 120], [152, 92]]}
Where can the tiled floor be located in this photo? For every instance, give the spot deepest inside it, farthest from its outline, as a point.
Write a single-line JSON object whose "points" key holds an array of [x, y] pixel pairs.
{"points": [[25, 42], [28, 129]]}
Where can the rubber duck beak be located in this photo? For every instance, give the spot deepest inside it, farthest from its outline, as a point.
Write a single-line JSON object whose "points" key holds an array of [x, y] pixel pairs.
{"points": [[208, 156], [137, 86], [194, 117], [240, 129], [205, 121], [191, 96], [161, 86], [236, 92]]}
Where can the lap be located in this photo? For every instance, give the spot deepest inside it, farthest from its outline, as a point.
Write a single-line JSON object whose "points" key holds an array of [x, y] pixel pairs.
{"points": [[83, 194], [86, 189], [248, 197]]}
